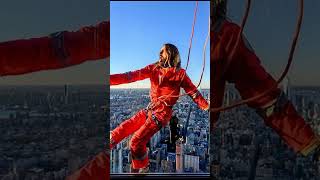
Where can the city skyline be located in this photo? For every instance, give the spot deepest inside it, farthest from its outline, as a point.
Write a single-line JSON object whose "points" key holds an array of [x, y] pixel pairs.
{"points": [[50, 132]]}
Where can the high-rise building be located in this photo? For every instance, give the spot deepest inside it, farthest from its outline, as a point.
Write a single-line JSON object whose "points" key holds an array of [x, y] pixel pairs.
{"points": [[113, 157], [171, 161], [300, 103], [155, 159], [120, 170], [316, 110], [286, 87], [191, 162], [179, 157], [155, 140], [66, 94], [116, 159]]}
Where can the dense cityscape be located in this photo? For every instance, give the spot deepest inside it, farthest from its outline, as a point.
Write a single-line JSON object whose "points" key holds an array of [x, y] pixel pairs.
{"points": [[188, 156], [48, 132]]}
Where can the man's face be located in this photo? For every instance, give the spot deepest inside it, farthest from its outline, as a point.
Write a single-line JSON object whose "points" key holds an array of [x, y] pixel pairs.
{"points": [[163, 55]]}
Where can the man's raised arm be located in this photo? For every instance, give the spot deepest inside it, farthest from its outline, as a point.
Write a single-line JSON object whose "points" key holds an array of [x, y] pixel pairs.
{"points": [[58, 50]]}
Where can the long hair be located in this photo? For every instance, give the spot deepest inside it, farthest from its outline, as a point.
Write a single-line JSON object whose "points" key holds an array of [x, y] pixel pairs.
{"points": [[218, 10], [173, 56]]}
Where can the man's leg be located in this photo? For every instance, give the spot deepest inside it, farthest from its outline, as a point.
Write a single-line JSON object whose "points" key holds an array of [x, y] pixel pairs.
{"points": [[251, 79], [127, 127], [139, 141], [285, 120]]}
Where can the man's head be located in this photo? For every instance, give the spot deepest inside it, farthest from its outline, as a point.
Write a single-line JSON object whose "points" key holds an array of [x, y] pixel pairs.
{"points": [[218, 10], [169, 56]]}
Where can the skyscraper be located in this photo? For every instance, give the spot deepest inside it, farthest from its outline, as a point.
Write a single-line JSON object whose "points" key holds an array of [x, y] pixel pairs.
{"points": [[286, 87], [116, 159], [66, 94], [179, 156], [191, 162], [171, 160]]}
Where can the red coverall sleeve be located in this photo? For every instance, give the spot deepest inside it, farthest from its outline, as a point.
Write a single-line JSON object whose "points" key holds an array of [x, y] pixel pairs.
{"points": [[98, 168], [193, 92], [58, 50], [131, 76], [246, 70]]}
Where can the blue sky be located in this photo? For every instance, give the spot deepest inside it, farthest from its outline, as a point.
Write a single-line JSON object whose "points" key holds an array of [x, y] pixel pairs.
{"points": [[139, 29], [270, 29]]}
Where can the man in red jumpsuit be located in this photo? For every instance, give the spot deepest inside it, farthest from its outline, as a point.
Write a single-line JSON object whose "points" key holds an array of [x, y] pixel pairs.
{"points": [[60, 50], [251, 79], [166, 77]]}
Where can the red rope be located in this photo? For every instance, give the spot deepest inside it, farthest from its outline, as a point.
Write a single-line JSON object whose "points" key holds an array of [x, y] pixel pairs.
{"points": [[192, 32], [239, 37]]}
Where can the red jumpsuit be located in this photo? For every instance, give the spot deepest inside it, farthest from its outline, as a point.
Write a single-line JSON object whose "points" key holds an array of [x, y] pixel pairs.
{"points": [[164, 92], [250, 78], [56, 51]]}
